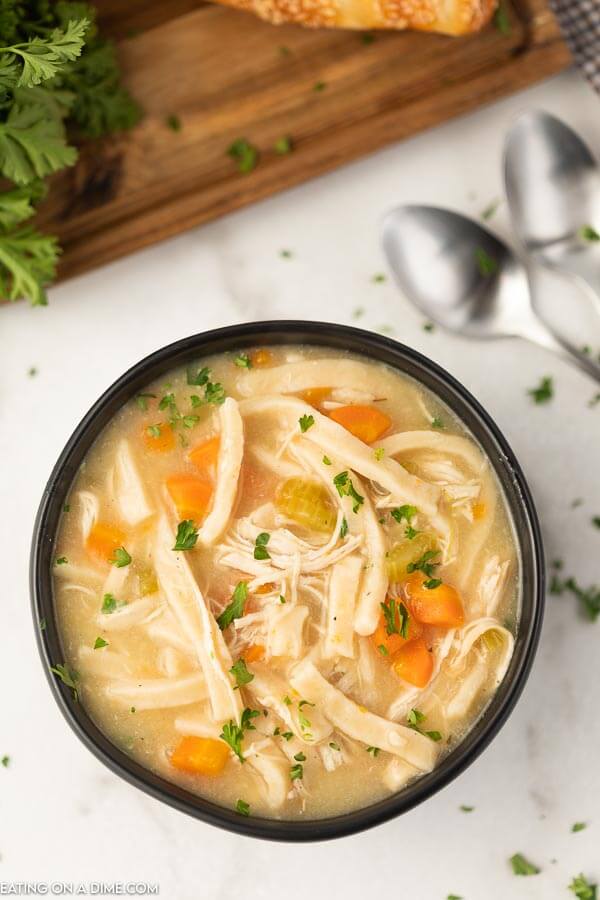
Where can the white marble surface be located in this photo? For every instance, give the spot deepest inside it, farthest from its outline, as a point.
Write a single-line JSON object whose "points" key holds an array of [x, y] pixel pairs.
{"points": [[62, 815]]}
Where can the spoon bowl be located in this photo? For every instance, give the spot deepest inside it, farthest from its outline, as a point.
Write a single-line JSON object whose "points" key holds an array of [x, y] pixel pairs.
{"points": [[465, 279]]}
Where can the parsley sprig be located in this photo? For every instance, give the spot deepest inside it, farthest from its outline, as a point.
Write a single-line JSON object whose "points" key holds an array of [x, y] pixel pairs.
{"points": [[345, 488]]}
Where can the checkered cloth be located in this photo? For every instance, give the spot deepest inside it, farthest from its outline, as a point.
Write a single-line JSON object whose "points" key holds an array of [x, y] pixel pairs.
{"points": [[580, 22]]}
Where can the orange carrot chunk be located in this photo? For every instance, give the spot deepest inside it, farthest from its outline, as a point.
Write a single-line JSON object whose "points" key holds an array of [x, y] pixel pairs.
{"points": [[254, 653], [364, 422], [158, 437], [414, 663], [104, 539], [205, 455], [191, 495], [200, 756], [261, 358], [315, 396], [393, 642], [478, 511], [440, 605]]}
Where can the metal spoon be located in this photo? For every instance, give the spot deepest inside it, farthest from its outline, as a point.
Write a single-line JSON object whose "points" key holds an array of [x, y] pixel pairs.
{"points": [[466, 280], [553, 188]]}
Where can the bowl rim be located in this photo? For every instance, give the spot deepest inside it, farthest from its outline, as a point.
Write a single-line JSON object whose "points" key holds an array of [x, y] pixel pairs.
{"points": [[357, 341]]}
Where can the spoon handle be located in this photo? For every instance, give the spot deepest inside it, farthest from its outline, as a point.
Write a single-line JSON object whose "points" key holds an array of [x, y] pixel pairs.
{"points": [[535, 330]]}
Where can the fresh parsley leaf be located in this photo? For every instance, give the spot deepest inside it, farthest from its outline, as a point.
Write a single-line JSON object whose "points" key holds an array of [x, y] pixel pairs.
{"points": [[240, 672], [589, 598], [544, 392], [415, 717], [187, 535], [582, 888], [32, 145], [189, 422], [243, 361], [244, 154], [407, 512], [242, 808], [424, 564], [487, 264], [283, 146], [589, 233], [42, 58], [306, 422], [99, 643], [287, 735], [522, 866], [260, 546], [27, 259], [121, 558], [345, 488], [433, 735], [68, 676], [197, 377], [235, 608]]}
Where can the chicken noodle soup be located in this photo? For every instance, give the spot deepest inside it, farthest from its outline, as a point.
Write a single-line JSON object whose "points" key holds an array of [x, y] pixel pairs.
{"points": [[286, 580]]}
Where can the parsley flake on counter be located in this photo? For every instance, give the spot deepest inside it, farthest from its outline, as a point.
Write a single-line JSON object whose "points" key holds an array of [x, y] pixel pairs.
{"points": [[522, 866], [306, 422], [466, 809], [596, 521], [187, 535], [242, 808], [589, 233], [379, 278], [544, 392], [5, 761], [68, 676], [243, 361], [589, 598], [578, 826], [244, 154], [487, 264], [594, 401], [240, 672], [490, 210], [99, 643], [260, 546], [582, 889], [358, 312], [121, 558], [235, 608], [286, 254], [428, 327], [283, 145], [32, 371]]}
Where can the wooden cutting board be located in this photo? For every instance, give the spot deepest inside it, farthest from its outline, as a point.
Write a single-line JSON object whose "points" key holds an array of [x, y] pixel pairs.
{"points": [[227, 75]]}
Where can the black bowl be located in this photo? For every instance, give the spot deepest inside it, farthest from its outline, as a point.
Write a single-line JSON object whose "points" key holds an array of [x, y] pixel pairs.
{"points": [[519, 502]]}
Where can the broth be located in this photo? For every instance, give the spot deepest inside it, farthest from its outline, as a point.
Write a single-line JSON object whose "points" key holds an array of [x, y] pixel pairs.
{"points": [[342, 602]]}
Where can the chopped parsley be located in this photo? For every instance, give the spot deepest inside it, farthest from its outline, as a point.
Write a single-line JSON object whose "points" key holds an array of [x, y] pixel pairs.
{"points": [[379, 278], [235, 608], [490, 210], [582, 889], [358, 312], [260, 546], [407, 512], [432, 583], [367, 38], [326, 461], [319, 86], [32, 371], [197, 377], [335, 746], [283, 145], [522, 866], [287, 735], [285, 254], [502, 20], [396, 617], [544, 392], [487, 264], [300, 757], [374, 751], [429, 327], [414, 720], [589, 233], [589, 598], [296, 772], [424, 564], [142, 401], [305, 423], [243, 361], [240, 672], [466, 809], [61, 561], [242, 808], [121, 558], [578, 826], [244, 154], [173, 122], [99, 643], [233, 733], [154, 430], [68, 676], [345, 488], [596, 521], [5, 761], [436, 422], [109, 604], [214, 392], [383, 650], [343, 528], [187, 535]]}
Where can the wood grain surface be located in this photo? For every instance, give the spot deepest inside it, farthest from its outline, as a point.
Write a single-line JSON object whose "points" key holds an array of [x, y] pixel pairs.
{"points": [[228, 75]]}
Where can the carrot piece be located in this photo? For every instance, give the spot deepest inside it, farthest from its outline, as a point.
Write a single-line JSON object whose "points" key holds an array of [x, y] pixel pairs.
{"points": [[364, 422], [478, 511], [104, 539], [394, 642], [414, 663], [315, 396], [254, 653], [200, 756], [265, 588], [191, 495], [158, 437], [205, 455], [261, 358], [440, 605]]}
